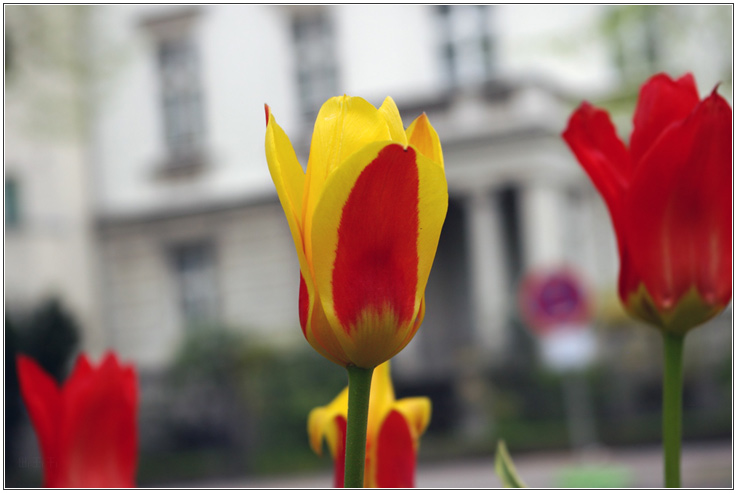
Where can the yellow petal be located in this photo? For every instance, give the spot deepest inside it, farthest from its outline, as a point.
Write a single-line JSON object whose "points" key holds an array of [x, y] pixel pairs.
{"points": [[320, 334], [432, 207], [424, 137], [382, 397], [417, 411], [321, 423], [418, 321], [288, 178], [393, 119]]}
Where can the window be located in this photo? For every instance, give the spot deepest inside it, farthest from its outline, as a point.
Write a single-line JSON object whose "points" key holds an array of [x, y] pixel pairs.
{"points": [[181, 96], [468, 48], [9, 51], [195, 275], [12, 203], [317, 71]]}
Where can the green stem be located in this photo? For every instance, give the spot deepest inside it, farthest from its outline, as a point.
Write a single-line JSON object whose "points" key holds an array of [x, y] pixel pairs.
{"points": [[359, 388], [672, 408]]}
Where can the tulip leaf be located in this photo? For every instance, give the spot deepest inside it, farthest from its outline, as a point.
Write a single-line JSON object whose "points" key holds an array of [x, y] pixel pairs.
{"points": [[505, 468]]}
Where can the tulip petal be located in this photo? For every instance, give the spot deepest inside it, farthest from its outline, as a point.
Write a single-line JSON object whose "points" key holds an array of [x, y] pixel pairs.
{"points": [[317, 329], [100, 427], [341, 425], [411, 333], [304, 304], [593, 139], [393, 119], [417, 412], [321, 424], [289, 180], [42, 398], [82, 369], [662, 102], [372, 280], [382, 396], [375, 235], [343, 126], [679, 209], [395, 454], [424, 137]]}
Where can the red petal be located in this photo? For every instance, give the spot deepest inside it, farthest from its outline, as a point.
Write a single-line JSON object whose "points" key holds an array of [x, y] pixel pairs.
{"points": [[680, 209], [43, 401], [339, 471], [662, 102], [99, 434], [395, 454], [304, 304], [376, 256], [82, 369], [593, 139]]}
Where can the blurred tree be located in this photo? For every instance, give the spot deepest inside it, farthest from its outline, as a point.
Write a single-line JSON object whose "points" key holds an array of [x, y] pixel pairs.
{"points": [[52, 66], [634, 34], [50, 336], [48, 40], [645, 39], [12, 396]]}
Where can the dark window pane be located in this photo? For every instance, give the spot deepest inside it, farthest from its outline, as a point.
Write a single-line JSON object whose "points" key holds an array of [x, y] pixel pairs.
{"points": [[467, 46], [317, 71], [12, 203], [181, 95], [195, 276]]}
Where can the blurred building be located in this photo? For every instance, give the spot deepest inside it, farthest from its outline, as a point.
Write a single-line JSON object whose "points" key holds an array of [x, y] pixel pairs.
{"points": [[152, 211], [188, 227], [50, 246]]}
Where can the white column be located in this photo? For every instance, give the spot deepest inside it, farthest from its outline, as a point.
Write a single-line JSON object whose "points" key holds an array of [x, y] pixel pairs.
{"points": [[542, 225], [487, 271]]}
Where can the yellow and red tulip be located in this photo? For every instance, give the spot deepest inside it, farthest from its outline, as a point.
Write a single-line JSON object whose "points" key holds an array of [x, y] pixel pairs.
{"points": [[669, 196], [87, 428], [392, 438], [365, 218]]}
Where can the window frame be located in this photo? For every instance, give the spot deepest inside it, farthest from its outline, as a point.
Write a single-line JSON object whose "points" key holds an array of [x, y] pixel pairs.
{"points": [[194, 271]]}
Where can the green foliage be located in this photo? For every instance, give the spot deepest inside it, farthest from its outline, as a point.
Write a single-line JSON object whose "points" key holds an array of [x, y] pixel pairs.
{"points": [[234, 406], [646, 39], [594, 476], [287, 387]]}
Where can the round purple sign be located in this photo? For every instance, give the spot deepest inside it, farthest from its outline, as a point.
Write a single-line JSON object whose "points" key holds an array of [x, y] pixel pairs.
{"points": [[552, 298]]}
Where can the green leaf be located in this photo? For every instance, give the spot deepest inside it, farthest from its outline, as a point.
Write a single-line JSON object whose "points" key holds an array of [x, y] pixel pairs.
{"points": [[505, 468]]}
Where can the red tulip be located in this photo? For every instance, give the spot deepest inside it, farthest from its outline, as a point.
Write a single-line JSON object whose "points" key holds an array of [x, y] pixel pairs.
{"points": [[669, 197], [87, 428]]}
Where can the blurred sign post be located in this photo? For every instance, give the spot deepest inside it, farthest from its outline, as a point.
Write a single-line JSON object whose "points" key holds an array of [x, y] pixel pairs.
{"points": [[555, 305]]}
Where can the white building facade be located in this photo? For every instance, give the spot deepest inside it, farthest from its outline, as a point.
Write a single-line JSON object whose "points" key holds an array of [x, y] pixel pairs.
{"points": [[173, 223], [190, 231]]}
